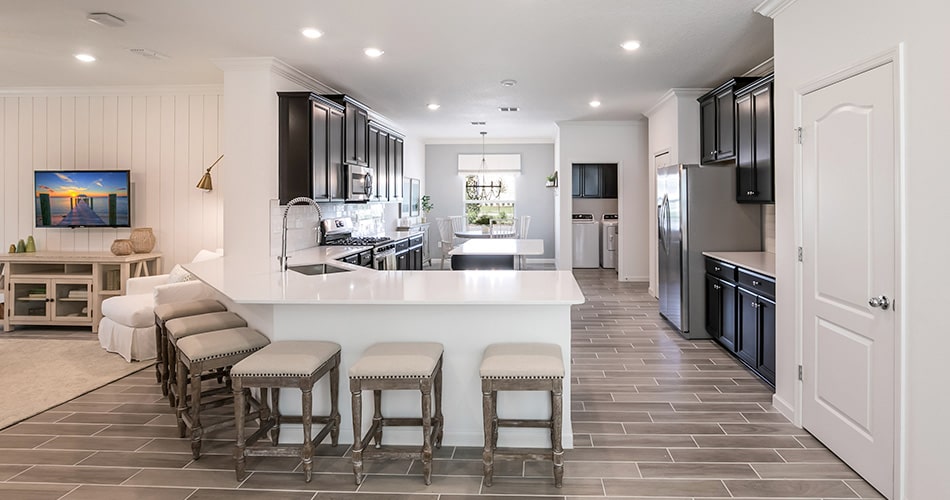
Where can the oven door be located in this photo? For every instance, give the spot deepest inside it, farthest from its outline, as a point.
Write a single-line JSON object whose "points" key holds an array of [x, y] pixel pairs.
{"points": [[385, 260], [359, 182]]}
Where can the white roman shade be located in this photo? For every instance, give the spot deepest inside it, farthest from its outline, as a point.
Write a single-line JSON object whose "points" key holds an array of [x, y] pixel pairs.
{"points": [[496, 163]]}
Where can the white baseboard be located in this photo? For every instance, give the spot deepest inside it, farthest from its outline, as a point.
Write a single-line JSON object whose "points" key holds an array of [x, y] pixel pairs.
{"points": [[783, 407], [635, 279]]}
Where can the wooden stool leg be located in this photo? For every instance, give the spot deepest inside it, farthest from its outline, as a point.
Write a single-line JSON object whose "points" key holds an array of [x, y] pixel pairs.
{"points": [[167, 366], [306, 454], [427, 432], [378, 417], [335, 405], [488, 455], [173, 377], [275, 405], [557, 450], [239, 458], [438, 407], [196, 430], [181, 379], [159, 359], [494, 419], [357, 398]]}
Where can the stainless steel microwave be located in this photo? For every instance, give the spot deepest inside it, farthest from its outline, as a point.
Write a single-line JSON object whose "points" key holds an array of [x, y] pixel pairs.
{"points": [[359, 183]]}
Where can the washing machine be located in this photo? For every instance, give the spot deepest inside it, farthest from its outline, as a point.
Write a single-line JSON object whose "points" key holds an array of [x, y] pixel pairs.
{"points": [[608, 244], [586, 241]]}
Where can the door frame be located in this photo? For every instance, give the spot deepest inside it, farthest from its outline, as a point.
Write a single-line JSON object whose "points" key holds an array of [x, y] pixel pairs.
{"points": [[894, 56]]}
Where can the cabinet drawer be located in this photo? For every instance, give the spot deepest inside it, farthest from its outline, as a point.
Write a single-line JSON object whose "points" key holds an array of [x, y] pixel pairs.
{"points": [[415, 240], [402, 245], [757, 283], [720, 269]]}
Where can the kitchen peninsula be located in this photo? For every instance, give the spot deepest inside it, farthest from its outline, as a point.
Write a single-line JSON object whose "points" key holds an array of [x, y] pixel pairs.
{"points": [[464, 310]]}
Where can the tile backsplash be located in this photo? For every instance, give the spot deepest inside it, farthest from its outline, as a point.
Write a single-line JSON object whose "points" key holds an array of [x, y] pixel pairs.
{"points": [[768, 228], [302, 222]]}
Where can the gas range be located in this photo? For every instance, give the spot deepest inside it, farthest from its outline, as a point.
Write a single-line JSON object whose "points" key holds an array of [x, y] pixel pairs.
{"points": [[357, 241]]}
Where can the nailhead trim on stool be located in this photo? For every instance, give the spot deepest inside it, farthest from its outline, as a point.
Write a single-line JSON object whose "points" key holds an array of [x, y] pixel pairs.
{"points": [[165, 312], [296, 364], [179, 328], [397, 366], [522, 367], [208, 352]]}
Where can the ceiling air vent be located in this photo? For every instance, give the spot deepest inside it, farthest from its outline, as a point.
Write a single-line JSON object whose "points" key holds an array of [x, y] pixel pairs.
{"points": [[478, 123], [105, 19], [508, 109], [149, 54]]}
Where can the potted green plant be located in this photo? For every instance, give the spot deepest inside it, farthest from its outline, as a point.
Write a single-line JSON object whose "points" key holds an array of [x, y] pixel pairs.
{"points": [[552, 180], [426, 206]]}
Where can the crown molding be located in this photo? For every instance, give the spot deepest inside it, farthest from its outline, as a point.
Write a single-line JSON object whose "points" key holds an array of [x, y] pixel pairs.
{"points": [[613, 123], [106, 90], [277, 67], [674, 92], [772, 8], [762, 69], [489, 142]]}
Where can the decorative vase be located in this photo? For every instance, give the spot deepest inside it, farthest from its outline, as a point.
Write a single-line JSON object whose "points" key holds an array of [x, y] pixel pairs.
{"points": [[20, 247], [121, 247], [143, 239], [12, 248], [30, 244]]}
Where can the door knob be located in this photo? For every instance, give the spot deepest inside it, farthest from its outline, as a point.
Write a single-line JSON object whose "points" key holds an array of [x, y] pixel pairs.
{"points": [[881, 302]]}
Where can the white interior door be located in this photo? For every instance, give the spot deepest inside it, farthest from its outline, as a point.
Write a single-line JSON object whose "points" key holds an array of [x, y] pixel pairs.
{"points": [[849, 195]]}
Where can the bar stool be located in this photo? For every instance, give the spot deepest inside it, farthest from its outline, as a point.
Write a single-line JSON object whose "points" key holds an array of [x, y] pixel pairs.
{"points": [[179, 328], [521, 367], [398, 366], [295, 364], [209, 351], [165, 312]]}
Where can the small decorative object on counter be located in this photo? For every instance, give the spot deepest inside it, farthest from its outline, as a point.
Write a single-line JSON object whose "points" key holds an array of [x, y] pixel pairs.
{"points": [[12, 248], [20, 247], [143, 239], [121, 247], [30, 244]]}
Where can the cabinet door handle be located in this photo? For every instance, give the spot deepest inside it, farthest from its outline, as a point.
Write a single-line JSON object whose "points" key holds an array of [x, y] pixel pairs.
{"points": [[750, 193], [755, 305], [716, 287], [717, 268], [755, 283]]}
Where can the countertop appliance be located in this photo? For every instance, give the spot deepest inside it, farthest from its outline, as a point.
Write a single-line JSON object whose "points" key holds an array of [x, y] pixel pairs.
{"points": [[608, 244], [697, 212], [586, 241], [359, 183]]}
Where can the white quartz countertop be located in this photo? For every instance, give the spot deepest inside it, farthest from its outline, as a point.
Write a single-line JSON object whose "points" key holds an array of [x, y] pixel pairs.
{"points": [[500, 246], [760, 262], [263, 283]]}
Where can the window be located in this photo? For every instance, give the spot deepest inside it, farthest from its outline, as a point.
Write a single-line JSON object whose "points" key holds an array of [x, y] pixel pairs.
{"points": [[489, 196]]}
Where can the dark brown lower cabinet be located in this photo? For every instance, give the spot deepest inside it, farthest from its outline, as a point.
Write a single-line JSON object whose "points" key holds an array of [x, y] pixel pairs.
{"points": [[741, 317]]}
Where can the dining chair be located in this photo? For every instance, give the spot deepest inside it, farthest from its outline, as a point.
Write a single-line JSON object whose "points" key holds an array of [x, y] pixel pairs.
{"points": [[446, 238], [459, 223], [521, 226]]}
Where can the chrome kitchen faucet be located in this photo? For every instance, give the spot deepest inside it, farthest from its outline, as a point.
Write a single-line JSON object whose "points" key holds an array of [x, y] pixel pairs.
{"points": [[283, 231]]}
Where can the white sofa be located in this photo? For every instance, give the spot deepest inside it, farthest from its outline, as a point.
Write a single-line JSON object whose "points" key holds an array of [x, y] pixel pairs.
{"points": [[128, 321]]}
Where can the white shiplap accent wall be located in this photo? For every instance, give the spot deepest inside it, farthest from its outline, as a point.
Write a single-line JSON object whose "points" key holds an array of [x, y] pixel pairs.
{"points": [[166, 137]]}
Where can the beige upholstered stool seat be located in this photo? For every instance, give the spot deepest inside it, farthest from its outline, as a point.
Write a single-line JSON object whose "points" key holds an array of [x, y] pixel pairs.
{"points": [[293, 364], [190, 308], [397, 360], [522, 360], [522, 367], [221, 343], [187, 326], [413, 366], [209, 352], [286, 359], [165, 364]]}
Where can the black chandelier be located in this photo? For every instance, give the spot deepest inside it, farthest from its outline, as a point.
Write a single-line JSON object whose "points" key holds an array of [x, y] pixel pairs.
{"points": [[476, 187]]}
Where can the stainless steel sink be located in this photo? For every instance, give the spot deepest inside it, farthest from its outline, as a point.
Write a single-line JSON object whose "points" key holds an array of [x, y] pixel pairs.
{"points": [[315, 269]]}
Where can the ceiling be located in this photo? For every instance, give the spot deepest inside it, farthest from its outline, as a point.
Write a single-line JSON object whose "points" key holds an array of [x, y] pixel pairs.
{"points": [[563, 53]]}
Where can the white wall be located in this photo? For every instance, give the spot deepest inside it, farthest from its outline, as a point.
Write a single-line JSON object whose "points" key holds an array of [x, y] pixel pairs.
{"points": [[673, 128], [815, 38], [623, 143], [445, 186], [167, 137]]}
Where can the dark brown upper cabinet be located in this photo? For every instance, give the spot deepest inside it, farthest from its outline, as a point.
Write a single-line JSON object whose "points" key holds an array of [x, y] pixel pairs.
{"points": [[356, 129], [306, 166], [755, 174], [717, 116], [594, 180]]}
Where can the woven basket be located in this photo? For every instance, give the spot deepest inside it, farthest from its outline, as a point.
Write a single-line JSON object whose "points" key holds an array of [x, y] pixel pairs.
{"points": [[143, 240]]}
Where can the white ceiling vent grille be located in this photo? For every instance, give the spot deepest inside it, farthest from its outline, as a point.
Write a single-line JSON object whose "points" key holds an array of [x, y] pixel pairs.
{"points": [[149, 54], [478, 123], [508, 109]]}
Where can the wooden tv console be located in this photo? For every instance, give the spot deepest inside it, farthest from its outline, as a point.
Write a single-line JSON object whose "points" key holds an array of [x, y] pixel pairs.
{"points": [[67, 288]]}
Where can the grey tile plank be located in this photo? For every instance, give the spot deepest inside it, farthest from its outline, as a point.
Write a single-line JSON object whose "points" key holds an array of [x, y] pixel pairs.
{"points": [[789, 488], [8, 471], [88, 492], [143, 460], [805, 471], [295, 481], [46, 457], [184, 478], [544, 486], [725, 455], [666, 487], [415, 484], [83, 475], [56, 429], [747, 442], [25, 491], [697, 471], [94, 443], [216, 494]]}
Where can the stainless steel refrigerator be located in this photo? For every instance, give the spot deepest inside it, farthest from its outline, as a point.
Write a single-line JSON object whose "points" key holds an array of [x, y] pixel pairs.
{"points": [[697, 212]]}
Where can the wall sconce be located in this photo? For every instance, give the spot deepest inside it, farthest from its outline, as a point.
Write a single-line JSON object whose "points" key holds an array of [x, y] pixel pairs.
{"points": [[205, 183]]}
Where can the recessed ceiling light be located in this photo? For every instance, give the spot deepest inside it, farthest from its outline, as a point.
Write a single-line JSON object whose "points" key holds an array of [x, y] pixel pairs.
{"points": [[595, 104], [85, 57], [373, 52], [433, 106], [311, 32], [509, 83], [630, 45]]}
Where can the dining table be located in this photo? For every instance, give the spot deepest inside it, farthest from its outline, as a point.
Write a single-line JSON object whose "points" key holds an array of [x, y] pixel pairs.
{"points": [[475, 234], [499, 253]]}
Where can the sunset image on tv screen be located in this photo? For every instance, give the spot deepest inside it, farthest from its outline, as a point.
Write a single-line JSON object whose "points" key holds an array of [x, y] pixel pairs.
{"points": [[82, 198]]}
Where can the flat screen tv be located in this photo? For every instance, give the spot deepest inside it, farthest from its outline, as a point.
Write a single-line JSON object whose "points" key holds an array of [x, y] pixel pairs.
{"points": [[82, 198]]}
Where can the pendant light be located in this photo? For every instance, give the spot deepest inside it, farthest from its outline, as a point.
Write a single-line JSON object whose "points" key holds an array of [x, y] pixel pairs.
{"points": [[478, 189]]}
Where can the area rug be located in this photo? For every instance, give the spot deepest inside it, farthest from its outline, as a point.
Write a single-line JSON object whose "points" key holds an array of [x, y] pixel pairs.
{"points": [[38, 374]]}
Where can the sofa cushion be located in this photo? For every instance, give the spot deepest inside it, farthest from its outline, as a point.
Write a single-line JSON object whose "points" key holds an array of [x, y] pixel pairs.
{"points": [[130, 310]]}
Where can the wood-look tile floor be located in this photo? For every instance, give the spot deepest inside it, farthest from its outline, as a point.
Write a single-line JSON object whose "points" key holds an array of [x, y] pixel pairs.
{"points": [[655, 416]]}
